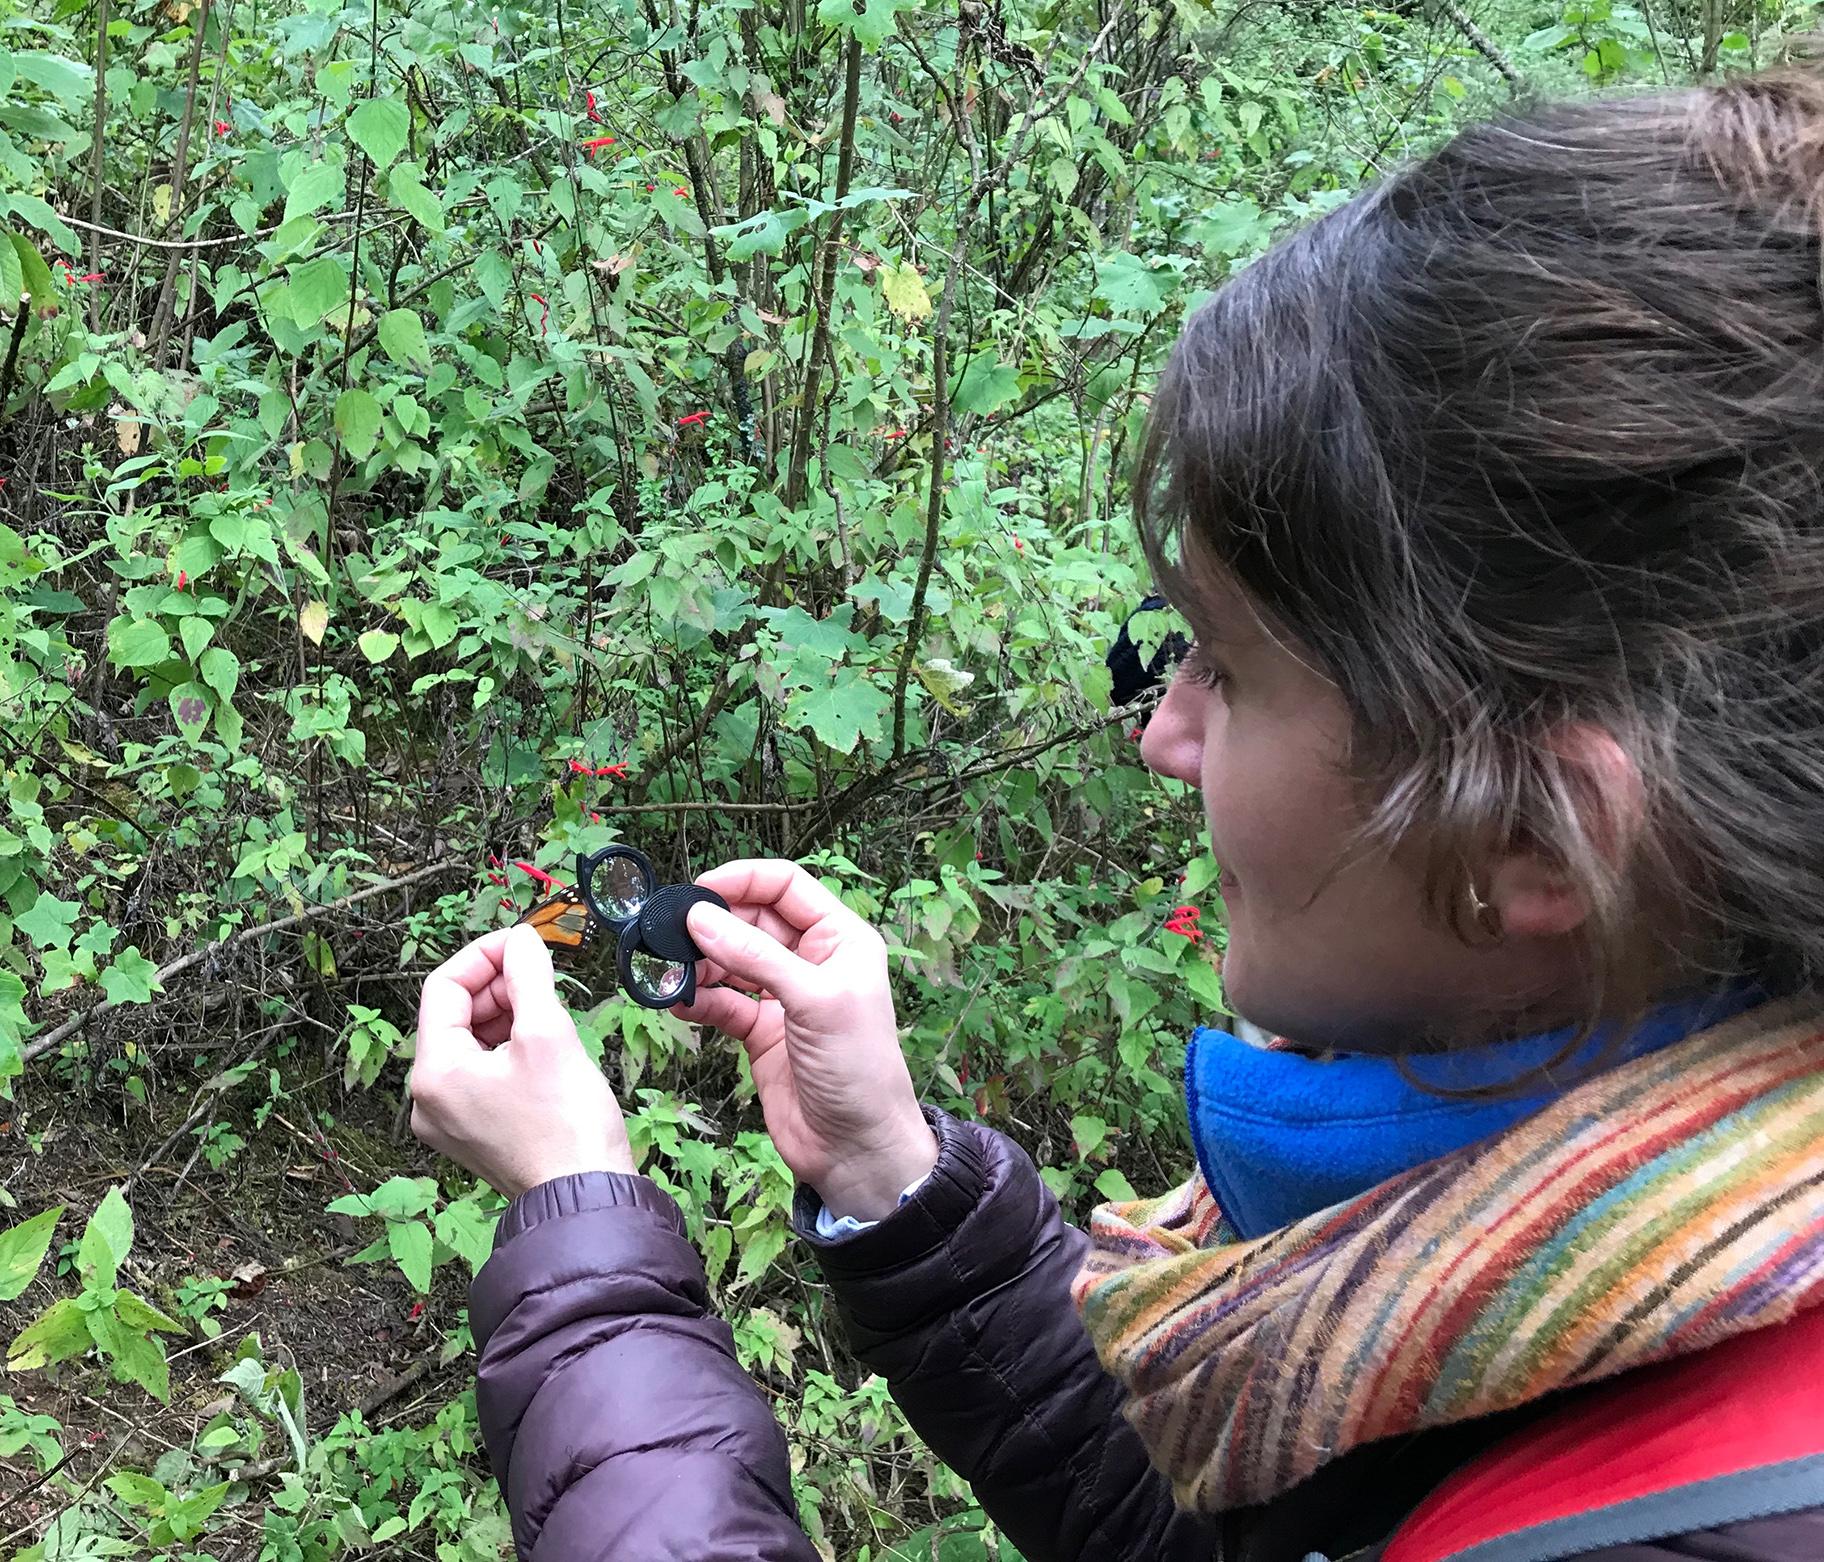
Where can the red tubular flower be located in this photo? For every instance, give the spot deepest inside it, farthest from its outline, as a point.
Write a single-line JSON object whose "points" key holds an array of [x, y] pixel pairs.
{"points": [[498, 878], [694, 417], [182, 580], [543, 319], [508, 902], [680, 191], [222, 127], [589, 109], [1133, 734], [597, 143], [417, 1312], [618, 771], [493, 861], [578, 768], [650, 188], [594, 817], [538, 875]]}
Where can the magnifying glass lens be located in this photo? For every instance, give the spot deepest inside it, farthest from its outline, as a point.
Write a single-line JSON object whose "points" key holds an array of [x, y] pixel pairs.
{"points": [[660, 978], [618, 886]]}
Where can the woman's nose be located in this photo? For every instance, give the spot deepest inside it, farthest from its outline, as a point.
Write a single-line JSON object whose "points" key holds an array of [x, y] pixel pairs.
{"points": [[1172, 744]]}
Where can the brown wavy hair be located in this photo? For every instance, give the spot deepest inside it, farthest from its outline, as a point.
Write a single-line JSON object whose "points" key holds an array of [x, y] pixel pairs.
{"points": [[1532, 433]]}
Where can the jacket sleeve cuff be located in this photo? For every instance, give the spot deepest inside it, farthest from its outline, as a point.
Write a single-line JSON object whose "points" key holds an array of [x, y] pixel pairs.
{"points": [[581, 1192], [921, 1224]]}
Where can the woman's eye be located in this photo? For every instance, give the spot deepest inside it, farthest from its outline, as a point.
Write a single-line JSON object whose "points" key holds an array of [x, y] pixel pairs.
{"points": [[1199, 668]]}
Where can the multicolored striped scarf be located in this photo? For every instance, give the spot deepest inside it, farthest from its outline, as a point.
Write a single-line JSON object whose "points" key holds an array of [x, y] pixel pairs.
{"points": [[1652, 1211]]}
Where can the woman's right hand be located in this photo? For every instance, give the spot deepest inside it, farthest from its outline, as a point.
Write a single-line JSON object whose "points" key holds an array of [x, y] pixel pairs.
{"points": [[807, 994]]}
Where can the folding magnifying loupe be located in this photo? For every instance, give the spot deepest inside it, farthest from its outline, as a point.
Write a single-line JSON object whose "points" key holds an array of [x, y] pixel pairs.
{"points": [[654, 955]]}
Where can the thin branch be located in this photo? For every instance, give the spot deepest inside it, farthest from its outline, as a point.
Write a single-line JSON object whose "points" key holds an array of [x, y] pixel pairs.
{"points": [[196, 956]]}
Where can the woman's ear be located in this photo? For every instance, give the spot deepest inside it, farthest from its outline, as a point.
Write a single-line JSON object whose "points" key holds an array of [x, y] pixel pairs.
{"points": [[1531, 890]]}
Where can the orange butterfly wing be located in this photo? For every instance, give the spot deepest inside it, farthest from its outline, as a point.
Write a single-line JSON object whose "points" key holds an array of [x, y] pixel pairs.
{"points": [[563, 920]]}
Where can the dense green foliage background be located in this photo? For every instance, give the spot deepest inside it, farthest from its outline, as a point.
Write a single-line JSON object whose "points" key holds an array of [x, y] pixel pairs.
{"points": [[441, 436]]}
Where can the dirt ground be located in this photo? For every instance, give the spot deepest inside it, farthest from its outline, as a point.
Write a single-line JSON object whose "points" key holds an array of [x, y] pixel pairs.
{"points": [[353, 1332]]}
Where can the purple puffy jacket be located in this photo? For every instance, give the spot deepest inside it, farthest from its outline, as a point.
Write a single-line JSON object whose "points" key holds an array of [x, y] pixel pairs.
{"points": [[621, 1426]]}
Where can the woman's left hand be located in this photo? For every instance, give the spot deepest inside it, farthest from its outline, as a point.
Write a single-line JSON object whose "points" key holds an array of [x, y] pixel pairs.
{"points": [[501, 1083]]}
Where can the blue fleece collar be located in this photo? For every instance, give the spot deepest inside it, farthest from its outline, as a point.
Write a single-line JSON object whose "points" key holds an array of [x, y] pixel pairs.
{"points": [[1280, 1135]]}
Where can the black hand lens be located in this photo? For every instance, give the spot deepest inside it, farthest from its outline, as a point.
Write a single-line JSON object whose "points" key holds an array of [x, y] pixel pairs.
{"points": [[655, 956]]}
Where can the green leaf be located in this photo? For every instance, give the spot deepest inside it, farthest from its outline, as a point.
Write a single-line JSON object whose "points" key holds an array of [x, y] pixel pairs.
{"points": [[196, 632], [137, 1491], [37, 274], [380, 127], [318, 288], [985, 384], [137, 1313], [402, 338], [72, 82], [1089, 1134], [48, 925], [1112, 1185], [132, 978], [870, 20], [12, 275], [406, 188], [468, 1230], [137, 642], [134, 1357], [22, 1250], [317, 185], [106, 1241], [37, 211], [221, 670], [358, 421], [849, 709], [410, 1241], [58, 1333], [1128, 284], [378, 644]]}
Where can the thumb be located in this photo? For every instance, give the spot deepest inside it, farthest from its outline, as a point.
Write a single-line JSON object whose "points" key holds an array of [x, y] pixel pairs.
{"points": [[532, 987], [745, 951]]}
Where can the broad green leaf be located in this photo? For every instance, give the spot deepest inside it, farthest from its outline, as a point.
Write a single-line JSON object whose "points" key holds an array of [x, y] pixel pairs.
{"points": [[410, 1241], [468, 1230], [358, 421], [58, 1333], [318, 288], [849, 709], [138, 1491], [407, 190], [985, 385], [904, 290], [196, 632], [47, 924], [378, 644], [137, 1313], [22, 1250], [72, 82], [402, 337], [106, 1240], [189, 704], [37, 211], [317, 185], [133, 1356], [137, 642], [221, 670], [1112, 1185], [870, 20], [380, 126], [132, 978], [36, 273], [764, 233], [1128, 284], [1088, 1133]]}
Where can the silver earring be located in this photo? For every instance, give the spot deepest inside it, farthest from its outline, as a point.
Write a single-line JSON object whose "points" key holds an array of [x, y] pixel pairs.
{"points": [[1488, 918]]}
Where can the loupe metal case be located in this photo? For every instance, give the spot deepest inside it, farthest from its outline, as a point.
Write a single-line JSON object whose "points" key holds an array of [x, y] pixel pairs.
{"points": [[655, 955]]}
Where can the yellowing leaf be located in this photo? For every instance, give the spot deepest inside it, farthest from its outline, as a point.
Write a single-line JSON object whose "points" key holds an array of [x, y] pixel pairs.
{"points": [[161, 204], [313, 619], [904, 290]]}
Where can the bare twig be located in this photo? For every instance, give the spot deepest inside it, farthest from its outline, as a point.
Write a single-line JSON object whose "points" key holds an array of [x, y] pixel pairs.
{"points": [[183, 963]]}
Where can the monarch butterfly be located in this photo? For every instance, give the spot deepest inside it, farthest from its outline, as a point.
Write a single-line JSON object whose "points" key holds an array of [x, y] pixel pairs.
{"points": [[563, 920]]}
